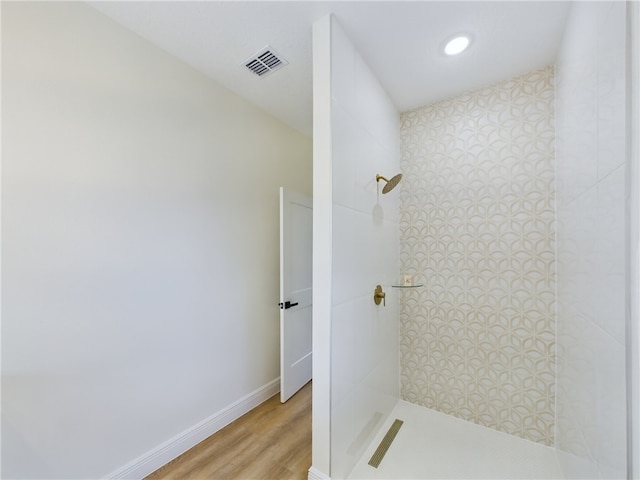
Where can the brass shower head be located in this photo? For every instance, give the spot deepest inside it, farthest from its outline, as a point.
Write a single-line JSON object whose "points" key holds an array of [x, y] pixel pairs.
{"points": [[390, 184]]}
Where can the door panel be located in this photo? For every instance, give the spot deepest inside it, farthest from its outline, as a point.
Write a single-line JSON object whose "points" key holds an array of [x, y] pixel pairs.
{"points": [[295, 288]]}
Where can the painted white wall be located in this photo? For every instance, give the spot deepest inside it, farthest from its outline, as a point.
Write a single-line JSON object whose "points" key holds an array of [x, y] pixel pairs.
{"points": [[140, 243], [361, 139], [591, 237]]}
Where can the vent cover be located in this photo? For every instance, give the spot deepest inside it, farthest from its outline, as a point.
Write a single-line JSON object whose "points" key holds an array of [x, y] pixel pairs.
{"points": [[264, 62]]}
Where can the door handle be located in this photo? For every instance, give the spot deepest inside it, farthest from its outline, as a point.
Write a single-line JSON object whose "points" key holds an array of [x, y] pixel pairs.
{"points": [[287, 305]]}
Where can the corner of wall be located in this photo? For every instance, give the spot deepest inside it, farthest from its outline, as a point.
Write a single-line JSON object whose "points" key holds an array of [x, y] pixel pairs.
{"points": [[322, 243]]}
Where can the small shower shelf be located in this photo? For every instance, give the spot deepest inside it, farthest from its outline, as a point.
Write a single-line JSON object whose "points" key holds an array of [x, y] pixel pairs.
{"points": [[407, 286]]}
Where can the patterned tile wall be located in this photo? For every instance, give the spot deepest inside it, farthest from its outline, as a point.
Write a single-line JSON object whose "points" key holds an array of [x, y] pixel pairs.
{"points": [[477, 228]]}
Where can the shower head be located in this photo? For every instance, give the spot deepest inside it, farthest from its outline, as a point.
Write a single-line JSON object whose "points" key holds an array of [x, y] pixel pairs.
{"points": [[390, 184]]}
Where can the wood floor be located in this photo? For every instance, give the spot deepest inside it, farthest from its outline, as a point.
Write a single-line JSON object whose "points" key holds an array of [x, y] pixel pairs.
{"points": [[271, 442]]}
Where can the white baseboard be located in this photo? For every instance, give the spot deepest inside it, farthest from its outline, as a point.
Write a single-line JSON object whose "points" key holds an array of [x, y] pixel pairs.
{"points": [[315, 474], [172, 448]]}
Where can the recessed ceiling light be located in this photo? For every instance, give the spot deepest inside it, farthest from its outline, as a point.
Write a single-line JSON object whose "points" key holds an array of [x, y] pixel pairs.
{"points": [[457, 45]]}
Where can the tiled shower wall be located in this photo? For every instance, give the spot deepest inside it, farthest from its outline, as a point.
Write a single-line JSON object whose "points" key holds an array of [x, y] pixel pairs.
{"points": [[591, 177], [477, 229], [365, 141]]}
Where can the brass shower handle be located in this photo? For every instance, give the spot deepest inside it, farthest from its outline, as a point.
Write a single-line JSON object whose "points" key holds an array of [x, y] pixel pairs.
{"points": [[379, 296]]}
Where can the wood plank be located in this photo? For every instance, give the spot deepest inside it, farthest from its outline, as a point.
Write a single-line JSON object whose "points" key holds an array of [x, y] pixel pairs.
{"points": [[272, 441]]}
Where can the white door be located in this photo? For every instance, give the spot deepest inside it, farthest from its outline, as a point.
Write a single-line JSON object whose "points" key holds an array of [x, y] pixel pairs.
{"points": [[295, 291]]}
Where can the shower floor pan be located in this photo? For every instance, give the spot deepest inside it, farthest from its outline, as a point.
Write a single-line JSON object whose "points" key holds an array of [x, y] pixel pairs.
{"points": [[432, 445]]}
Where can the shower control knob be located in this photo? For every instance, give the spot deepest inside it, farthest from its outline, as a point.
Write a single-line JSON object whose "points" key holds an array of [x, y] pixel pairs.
{"points": [[379, 296]]}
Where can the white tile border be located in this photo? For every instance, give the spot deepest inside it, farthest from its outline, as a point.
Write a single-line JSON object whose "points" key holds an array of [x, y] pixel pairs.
{"points": [[633, 249], [322, 244]]}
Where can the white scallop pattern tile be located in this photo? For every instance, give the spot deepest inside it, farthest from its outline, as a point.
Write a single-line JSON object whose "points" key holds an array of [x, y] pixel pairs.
{"points": [[477, 228]]}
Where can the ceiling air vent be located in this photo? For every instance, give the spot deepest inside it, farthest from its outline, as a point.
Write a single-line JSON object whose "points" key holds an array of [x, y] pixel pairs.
{"points": [[265, 62]]}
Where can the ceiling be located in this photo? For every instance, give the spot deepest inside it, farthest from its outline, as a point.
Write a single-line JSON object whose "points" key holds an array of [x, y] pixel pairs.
{"points": [[401, 41]]}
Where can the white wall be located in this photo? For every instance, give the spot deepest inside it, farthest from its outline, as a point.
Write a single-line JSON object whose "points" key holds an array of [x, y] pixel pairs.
{"points": [[322, 249], [140, 243], [591, 184], [360, 138]]}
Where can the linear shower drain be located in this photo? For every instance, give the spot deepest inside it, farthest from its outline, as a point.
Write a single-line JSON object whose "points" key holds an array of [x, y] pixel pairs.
{"points": [[386, 442]]}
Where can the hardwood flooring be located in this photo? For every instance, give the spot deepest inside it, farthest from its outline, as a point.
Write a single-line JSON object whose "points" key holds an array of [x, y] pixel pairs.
{"points": [[271, 442]]}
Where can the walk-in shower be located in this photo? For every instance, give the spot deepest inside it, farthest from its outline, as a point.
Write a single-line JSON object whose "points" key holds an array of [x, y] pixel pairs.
{"points": [[506, 357]]}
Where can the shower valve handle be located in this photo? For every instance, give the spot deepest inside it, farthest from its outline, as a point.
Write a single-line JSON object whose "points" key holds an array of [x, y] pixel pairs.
{"points": [[379, 296]]}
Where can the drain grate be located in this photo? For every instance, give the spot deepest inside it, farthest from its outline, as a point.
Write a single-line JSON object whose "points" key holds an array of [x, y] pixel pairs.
{"points": [[386, 442]]}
